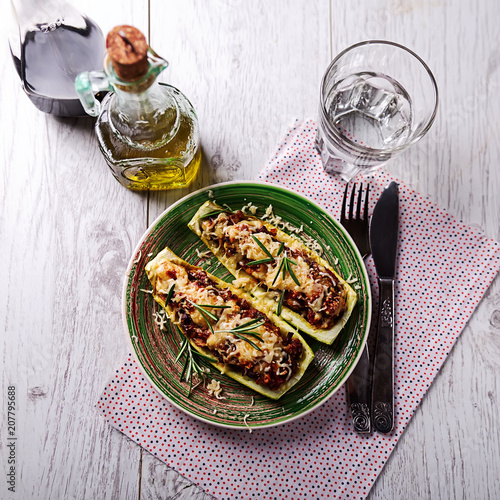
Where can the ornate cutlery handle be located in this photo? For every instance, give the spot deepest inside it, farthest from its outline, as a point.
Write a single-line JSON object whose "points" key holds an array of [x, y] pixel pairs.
{"points": [[358, 392], [383, 363]]}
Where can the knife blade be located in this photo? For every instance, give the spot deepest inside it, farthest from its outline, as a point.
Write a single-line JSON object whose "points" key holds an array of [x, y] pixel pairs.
{"points": [[384, 228]]}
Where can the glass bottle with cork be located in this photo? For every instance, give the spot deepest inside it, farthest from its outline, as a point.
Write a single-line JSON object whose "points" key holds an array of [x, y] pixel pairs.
{"points": [[147, 130]]}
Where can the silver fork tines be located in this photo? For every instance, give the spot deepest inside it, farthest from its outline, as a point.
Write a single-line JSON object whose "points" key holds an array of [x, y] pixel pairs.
{"points": [[356, 223]]}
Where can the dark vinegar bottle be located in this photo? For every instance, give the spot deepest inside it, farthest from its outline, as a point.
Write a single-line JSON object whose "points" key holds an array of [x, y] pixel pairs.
{"points": [[55, 44]]}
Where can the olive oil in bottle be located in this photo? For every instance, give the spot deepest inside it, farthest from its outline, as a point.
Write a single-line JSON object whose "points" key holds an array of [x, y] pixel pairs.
{"points": [[147, 131]]}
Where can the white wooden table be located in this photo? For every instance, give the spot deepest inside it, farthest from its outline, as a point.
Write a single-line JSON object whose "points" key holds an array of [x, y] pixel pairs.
{"points": [[67, 229]]}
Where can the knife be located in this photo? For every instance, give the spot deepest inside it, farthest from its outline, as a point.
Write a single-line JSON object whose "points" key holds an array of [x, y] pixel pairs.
{"points": [[384, 241]]}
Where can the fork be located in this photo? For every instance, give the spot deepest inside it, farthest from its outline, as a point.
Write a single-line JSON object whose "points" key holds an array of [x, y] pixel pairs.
{"points": [[356, 224], [358, 384]]}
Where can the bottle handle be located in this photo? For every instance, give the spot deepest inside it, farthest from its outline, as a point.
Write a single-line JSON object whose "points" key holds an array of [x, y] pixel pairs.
{"points": [[88, 84]]}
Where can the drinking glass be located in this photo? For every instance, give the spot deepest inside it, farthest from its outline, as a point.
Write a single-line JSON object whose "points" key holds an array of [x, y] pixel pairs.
{"points": [[377, 99]]}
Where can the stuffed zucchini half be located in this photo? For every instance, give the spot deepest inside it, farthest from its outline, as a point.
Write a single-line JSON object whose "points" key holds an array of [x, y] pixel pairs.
{"points": [[225, 324], [286, 277]]}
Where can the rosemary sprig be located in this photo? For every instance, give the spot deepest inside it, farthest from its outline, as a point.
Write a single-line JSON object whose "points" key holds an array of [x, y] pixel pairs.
{"points": [[170, 293], [248, 341], [214, 212], [280, 267], [290, 272], [246, 329], [191, 366], [261, 261], [285, 267], [280, 303], [262, 246], [203, 311], [207, 315], [253, 323], [270, 257], [184, 345]]}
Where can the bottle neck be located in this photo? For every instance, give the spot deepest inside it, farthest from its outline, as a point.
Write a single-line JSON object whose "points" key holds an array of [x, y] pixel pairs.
{"points": [[144, 116]]}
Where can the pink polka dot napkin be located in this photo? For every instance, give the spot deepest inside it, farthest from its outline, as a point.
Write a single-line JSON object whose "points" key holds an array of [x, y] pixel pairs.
{"points": [[444, 269]]}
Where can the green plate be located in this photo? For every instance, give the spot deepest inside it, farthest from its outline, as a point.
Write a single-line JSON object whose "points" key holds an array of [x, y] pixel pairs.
{"points": [[156, 349]]}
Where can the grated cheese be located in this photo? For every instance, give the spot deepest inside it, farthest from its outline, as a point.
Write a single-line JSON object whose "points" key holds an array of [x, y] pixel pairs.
{"points": [[214, 389], [250, 207], [138, 257], [246, 423], [160, 319], [203, 255], [242, 282], [277, 221], [351, 279], [197, 384]]}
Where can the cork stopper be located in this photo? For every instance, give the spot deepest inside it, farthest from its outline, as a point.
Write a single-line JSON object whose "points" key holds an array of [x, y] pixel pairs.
{"points": [[128, 51]]}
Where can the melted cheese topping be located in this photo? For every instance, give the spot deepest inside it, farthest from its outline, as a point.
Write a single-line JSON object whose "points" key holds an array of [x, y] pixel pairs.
{"points": [[169, 274], [270, 345], [240, 236]]}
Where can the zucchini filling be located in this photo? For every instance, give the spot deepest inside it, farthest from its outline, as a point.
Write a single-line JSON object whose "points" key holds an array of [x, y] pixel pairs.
{"points": [[235, 332], [300, 283]]}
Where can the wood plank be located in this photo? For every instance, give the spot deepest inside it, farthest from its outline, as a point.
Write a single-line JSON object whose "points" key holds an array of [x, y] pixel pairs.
{"points": [[160, 482], [249, 68], [65, 250]]}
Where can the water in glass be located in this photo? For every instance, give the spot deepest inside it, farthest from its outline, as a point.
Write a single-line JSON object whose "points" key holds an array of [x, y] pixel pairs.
{"points": [[370, 109]]}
